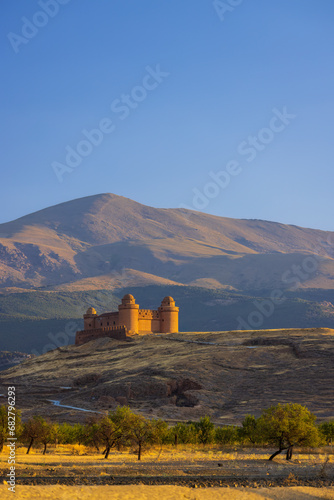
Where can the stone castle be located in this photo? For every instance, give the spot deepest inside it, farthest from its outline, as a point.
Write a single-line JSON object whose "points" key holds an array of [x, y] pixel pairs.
{"points": [[129, 320]]}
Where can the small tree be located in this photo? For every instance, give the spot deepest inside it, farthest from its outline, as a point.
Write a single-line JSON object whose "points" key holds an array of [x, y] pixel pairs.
{"points": [[205, 430], [32, 430], [46, 434], [287, 426], [144, 431], [108, 433], [78, 432], [92, 432], [113, 429], [249, 430], [123, 419], [227, 434], [183, 433], [56, 433], [66, 433], [327, 430]]}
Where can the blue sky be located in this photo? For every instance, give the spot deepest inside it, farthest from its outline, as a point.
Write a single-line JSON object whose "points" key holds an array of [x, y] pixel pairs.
{"points": [[246, 95]]}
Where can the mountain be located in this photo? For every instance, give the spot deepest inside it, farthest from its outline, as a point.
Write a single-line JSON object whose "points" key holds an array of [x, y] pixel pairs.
{"points": [[224, 273], [107, 241]]}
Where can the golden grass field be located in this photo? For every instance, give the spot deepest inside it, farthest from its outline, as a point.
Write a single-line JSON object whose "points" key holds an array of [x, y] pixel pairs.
{"points": [[80, 465]]}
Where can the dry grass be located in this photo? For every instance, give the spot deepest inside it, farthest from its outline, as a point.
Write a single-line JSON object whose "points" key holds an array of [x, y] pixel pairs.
{"points": [[163, 460], [152, 373], [168, 461]]}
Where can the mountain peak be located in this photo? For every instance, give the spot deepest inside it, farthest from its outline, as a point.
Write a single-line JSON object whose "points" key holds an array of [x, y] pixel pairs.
{"points": [[96, 235]]}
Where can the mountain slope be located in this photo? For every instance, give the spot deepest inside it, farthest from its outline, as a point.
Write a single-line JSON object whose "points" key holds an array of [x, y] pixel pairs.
{"points": [[99, 235]]}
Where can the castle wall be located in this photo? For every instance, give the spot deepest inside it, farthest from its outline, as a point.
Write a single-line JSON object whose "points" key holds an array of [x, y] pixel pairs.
{"points": [[149, 325], [108, 320], [84, 336], [148, 321]]}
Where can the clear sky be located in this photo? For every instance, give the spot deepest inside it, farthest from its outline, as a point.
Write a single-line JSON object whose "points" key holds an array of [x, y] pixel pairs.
{"points": [[224, 107]]}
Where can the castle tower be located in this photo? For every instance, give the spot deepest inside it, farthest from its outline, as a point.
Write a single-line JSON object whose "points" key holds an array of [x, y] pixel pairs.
{"points": [[128, 313], [169, 316], [89, 319]]}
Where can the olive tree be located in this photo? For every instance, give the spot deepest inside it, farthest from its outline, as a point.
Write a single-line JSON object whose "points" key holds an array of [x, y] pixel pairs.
{"points": [[183, 432], [33, 430], [112, 429], [250, 429], [142, 431], [327, 430], [227, 434], [205, 430], [286, 426]]}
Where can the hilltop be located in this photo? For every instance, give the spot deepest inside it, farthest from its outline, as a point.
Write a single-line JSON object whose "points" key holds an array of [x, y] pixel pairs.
{"points": [[182, 376]]}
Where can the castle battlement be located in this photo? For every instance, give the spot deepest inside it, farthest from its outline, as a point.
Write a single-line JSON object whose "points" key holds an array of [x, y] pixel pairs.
{"points": [[129, 320], [148, 313]]}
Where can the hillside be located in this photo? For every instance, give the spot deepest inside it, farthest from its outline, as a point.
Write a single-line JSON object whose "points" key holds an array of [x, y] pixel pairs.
{"points": [[38, 321], [182, 376], [106, 241]]}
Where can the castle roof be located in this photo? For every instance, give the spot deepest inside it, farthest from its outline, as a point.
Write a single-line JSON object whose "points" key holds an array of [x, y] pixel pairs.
{"points": [[91, 310], [168, 301], [128, 296]]}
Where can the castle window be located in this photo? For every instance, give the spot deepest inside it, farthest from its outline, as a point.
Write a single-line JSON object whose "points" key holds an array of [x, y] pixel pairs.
{"points": [[107, 323], [114, 323], [90, 324]]}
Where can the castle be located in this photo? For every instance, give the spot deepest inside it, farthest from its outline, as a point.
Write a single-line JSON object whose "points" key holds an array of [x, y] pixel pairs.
{"points": [[129, 320]]}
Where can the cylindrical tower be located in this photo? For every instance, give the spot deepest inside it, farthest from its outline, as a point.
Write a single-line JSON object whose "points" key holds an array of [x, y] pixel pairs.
{"points": [[128, 313], [169, 316], [89, 319]]}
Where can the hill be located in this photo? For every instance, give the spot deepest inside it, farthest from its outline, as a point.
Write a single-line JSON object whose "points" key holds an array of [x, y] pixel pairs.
{"points": [[107, 241], [181, 376], [38, 321]]}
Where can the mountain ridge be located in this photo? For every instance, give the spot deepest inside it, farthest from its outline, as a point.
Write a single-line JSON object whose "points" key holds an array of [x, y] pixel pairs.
{"points": [[99, 235]]}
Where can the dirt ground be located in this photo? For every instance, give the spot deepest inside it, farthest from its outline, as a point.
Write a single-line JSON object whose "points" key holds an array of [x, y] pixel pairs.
{"points": [[189, 472], [141, 492]]}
